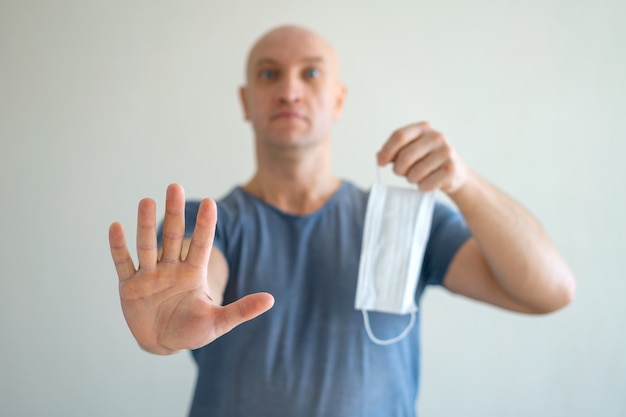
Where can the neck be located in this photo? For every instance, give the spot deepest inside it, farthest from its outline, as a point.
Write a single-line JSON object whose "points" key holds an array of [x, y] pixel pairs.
{"points": [[296, 181]]}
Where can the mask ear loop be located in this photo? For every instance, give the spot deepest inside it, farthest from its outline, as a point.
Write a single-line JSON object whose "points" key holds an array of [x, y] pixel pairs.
{"points": [[391, 341]]}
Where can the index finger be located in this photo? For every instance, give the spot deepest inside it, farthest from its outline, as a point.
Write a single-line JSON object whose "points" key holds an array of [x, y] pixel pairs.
{"points": [[398, 140], [203, 234]]}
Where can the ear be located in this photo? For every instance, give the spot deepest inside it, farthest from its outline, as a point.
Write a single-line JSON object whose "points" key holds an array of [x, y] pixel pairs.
{"points": [[243, 96], [342, 91]]}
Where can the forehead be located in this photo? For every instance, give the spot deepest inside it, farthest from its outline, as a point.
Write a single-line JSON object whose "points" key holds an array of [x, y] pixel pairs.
{"points": [[290, 48]]}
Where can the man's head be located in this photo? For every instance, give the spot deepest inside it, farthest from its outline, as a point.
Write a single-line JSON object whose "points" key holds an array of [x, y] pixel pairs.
{"points": [[293, 92]]}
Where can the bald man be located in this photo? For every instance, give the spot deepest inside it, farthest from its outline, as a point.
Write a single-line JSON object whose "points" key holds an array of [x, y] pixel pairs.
{"points": [[288, 244]]}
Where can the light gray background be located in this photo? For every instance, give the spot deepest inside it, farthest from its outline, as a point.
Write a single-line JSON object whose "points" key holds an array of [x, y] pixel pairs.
{"points": [[105, 102]]}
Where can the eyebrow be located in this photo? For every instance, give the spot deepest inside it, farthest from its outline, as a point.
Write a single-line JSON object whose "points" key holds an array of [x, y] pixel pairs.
{"points": [[309, 60]]}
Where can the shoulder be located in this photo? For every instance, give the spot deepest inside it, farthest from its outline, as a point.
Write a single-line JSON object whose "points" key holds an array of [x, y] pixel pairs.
{"points": [[226, 208], [446, 216], [447, 234], [226, 205], [448, 226], [351, 193]]}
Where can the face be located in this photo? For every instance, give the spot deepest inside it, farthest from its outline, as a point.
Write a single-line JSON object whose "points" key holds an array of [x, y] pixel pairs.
{"points": [[293, 94]]}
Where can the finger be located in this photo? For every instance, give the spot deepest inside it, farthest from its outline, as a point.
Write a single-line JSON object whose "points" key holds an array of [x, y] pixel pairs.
{"points": [[202, 238], [437, 179], [428, 165], [147, 251], [398, 140], [415, 151], [242, 310], [173, 224], [119, 251]]}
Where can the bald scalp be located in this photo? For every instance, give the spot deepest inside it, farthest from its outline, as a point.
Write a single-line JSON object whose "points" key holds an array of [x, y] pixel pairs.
{"points": [[291, 40]]}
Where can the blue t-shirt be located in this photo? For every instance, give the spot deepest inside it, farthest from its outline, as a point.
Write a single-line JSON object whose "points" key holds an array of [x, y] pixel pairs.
{"points": [[310, 354]]}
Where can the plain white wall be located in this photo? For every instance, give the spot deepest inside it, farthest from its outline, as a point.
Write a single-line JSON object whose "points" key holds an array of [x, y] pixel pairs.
{"points": [[105, 102]]}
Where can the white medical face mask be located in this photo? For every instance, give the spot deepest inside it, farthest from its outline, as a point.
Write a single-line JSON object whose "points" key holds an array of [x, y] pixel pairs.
{"points": [[397, 226]]}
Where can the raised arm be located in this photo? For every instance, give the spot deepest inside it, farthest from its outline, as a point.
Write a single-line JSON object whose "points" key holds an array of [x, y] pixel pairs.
{"points": [[167, 302], [509, 261]]}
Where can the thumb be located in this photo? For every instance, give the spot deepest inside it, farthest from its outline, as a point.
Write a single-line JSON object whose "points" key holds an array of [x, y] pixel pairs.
{"points": [[242, 310]]}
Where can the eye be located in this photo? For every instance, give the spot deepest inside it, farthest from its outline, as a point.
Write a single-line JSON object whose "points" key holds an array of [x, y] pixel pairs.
{"points": [[268, 74], [312, 73]]}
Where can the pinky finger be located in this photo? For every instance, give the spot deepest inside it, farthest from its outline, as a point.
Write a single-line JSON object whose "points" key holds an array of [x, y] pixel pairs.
{"points": [[119, 251]]}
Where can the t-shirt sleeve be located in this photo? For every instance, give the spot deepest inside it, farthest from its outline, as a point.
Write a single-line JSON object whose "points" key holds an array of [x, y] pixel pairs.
{"points": [[447, 234]]}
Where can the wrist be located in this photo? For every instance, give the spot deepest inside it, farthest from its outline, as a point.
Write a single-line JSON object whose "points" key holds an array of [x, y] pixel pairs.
{"points": [[466, 189]]}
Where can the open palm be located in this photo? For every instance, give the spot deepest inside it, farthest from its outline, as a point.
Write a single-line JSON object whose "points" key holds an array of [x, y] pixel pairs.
{"points": [[166, 301]]}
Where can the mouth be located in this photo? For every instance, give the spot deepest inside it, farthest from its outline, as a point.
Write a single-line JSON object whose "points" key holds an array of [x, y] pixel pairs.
{"points": [[287, 115]]}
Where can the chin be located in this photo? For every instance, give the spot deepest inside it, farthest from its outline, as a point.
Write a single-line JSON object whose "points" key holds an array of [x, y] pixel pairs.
{"points": [[292, 140]]}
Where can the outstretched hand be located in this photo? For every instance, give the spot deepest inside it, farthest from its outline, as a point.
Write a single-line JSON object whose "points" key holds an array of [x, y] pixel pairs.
{"points": [[166, 301]]}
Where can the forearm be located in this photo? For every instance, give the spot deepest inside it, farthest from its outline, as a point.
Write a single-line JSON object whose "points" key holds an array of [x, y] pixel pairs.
{"points": [[515, 247]]}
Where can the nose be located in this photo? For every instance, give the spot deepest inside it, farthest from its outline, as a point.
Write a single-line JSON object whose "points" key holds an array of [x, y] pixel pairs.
{"points": [[289, 90]]}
